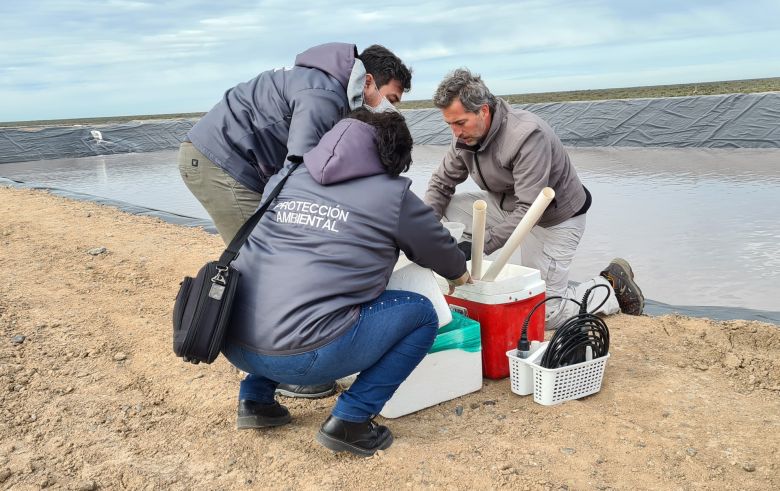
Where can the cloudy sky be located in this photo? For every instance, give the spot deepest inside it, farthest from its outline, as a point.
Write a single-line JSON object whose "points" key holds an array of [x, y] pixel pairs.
{"points": [[82, 58]]}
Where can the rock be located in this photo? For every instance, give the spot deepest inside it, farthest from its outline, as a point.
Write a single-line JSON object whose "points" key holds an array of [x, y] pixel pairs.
{"points": [[748, 466], [568, 451], [489, 403], [5, 474], [18, 339], [666, 414], [459, 410], [97, 251], [86, 486], [120, 356], [732, 361], [474, 405], [691, 451]]}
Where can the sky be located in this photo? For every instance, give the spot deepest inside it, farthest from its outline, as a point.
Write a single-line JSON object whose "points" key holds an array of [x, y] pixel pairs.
{"points": [[91, 58]]}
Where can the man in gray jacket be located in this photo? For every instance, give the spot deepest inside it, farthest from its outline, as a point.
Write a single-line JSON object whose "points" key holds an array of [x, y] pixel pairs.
{"points": [[234, 149], [512, 155], [230, 154]]}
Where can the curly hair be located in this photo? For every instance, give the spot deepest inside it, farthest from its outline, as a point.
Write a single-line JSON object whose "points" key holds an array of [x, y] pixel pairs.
{"points": [[384, 66], [465, 86], [393, 139]]}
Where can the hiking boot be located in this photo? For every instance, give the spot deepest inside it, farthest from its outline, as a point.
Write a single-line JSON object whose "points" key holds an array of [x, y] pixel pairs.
{"points": [[307, 391], [621, 277], [252, 414], [362, 439]]}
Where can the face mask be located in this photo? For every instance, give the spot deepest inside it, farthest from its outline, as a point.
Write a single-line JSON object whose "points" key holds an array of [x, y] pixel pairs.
{"points": [[383, 106]]}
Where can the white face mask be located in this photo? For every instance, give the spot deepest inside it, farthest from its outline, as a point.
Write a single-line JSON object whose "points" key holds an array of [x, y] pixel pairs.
{"points": [[383, 106]]}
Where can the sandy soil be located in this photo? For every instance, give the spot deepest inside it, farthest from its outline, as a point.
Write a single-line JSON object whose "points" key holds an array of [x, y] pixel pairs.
{"points": [[94, 398]]}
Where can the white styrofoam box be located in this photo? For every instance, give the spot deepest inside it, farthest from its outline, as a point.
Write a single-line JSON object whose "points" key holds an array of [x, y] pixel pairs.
{"points": [[513, 284], [413, 278], [439, 377]]}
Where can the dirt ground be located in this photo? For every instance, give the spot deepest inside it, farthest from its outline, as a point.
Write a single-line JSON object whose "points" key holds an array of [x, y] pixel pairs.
{"points": [[92, 396]]}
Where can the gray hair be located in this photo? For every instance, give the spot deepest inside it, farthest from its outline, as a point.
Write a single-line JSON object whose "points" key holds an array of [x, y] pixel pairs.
{"points": [[467, 87]]}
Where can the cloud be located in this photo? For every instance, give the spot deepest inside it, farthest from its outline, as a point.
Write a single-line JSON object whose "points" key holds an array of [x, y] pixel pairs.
{"points": [[63, 56]]}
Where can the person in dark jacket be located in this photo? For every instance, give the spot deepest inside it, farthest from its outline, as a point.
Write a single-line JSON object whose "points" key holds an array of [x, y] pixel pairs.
{"points": [[238, 145], [311, 304]]}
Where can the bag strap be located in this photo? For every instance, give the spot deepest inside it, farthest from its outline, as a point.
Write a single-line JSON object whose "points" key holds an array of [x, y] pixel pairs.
{"points": [[231, 253]]}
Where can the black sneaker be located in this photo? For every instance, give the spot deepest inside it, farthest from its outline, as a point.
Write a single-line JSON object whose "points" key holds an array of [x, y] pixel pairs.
{"points": [[621, 277], [252, 414], [362, 439], [307, 391]]}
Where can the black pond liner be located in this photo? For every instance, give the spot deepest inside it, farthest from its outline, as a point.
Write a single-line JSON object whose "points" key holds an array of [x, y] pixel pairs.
{"points": [[652, 307]]}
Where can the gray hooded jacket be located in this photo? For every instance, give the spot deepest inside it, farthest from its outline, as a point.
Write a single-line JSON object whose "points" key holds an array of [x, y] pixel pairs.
{"points": [[329, 243], [250, 132]]}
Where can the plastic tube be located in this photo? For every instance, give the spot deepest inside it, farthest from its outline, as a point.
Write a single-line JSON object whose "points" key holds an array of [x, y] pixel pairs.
{"points": [[530, 219], [478, 237]]}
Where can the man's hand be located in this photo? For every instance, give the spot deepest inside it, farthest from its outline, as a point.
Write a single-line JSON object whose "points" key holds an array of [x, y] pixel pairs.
{"points": [[466, 278]]}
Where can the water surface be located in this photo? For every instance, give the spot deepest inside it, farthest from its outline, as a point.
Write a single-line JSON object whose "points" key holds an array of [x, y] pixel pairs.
{"points": [[699, 226]]}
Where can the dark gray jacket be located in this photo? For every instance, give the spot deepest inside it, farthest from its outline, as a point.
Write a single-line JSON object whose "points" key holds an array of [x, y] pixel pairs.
{"points": [[329, 243], [280, 112]]}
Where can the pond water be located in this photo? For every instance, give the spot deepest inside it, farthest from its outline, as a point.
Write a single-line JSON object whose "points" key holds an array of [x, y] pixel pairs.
{"points": [[699, 226]]}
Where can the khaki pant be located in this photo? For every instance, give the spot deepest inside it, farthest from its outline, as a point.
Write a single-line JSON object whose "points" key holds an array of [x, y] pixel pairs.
{"points": [[550, 250], [228, 203]]}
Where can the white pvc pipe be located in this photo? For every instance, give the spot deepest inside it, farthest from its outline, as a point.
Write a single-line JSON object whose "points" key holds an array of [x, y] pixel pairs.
{"points": [[530, 219], [478, 237]]}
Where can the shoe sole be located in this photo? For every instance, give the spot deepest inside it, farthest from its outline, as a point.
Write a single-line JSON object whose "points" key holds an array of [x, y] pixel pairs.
{"points": [[336, 445], [316, 395], [254, 422], [624, 264]]}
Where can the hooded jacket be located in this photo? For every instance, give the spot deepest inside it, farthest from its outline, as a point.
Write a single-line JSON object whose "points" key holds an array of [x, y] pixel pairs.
{"points": [[250, 132], [519, 156], [328, 244]]}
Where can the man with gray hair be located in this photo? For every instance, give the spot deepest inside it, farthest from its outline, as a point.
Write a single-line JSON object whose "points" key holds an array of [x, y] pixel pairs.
{"points": [[512, 155]]}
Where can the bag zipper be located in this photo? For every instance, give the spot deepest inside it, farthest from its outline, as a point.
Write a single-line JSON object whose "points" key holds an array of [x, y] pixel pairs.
{"points": [[198, 310]]}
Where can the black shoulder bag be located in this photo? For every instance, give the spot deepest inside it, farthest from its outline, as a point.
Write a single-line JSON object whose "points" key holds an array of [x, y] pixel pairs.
{"points": [[201, 312]]}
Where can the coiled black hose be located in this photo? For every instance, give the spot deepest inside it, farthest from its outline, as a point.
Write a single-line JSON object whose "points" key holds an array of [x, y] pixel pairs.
{"points": [[568, 344]]}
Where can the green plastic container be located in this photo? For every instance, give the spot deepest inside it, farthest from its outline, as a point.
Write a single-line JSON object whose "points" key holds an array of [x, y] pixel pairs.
{"points": [[462, 333]]}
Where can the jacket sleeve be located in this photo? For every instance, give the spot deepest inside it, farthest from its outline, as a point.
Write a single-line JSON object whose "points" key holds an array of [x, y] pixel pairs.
{"points": [[451, 172], [315, 112], [531, 173], [424, 240]]}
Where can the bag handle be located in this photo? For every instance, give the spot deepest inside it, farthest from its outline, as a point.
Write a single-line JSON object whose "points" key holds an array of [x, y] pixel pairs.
{"points": [[231, 253]]}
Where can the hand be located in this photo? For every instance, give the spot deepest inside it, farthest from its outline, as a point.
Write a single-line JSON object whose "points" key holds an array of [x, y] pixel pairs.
{"points": [[465, 278], [465, 247]]}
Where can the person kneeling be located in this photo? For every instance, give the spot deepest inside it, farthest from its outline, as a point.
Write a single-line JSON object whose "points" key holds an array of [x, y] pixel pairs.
{"points": [[311, 304]]}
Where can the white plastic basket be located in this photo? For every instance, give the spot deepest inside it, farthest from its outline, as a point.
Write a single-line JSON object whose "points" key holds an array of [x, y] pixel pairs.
{"points": [[554, 385]]}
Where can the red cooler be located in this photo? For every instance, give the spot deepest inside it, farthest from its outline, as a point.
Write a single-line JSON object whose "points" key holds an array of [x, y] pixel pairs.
{"points": [[500, 307]]}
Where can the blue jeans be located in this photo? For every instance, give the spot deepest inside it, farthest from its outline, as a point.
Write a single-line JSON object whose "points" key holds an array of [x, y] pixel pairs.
{"points": [[390, 338]]}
